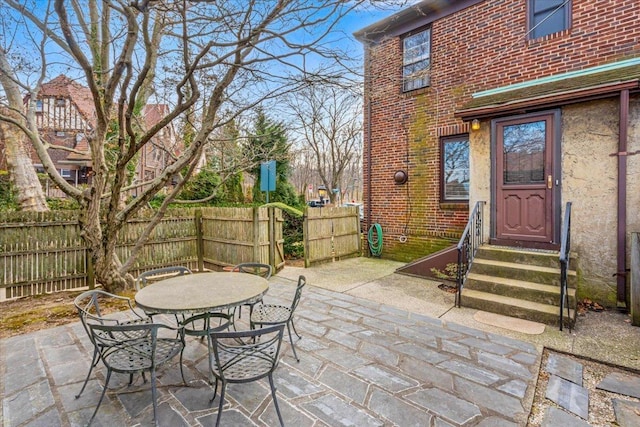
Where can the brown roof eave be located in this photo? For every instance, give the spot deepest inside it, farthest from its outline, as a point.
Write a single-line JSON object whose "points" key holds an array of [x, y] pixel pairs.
{"points": [[411, 18], [549, 100]]}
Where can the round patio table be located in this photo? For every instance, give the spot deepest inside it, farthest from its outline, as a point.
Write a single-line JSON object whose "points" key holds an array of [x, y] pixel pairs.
{"points": [[201, 292]]}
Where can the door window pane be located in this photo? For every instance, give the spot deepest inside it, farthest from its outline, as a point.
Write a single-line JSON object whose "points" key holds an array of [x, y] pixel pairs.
{"points": [[523, 153]]}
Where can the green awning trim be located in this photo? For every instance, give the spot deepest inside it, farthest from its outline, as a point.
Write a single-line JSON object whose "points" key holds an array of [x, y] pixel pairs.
{"points": [[558, 77]]}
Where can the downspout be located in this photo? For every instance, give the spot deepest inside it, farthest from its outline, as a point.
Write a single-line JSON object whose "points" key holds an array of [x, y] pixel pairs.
{"points": [[368, 137], [621, 274], [369, 164]]}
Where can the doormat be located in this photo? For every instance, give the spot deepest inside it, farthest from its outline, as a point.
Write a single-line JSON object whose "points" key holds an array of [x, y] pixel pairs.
{"points": [[511, 323]]}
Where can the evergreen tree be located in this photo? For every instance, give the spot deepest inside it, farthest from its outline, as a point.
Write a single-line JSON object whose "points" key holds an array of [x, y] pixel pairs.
{"points": [[270, 143]]}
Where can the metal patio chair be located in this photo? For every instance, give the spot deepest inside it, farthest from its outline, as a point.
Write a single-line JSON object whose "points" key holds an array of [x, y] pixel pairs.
{"points": [[258, 269], [272, 314], [151, 276], [89, 306], [126, 342], [132, 349], [245, 356]]}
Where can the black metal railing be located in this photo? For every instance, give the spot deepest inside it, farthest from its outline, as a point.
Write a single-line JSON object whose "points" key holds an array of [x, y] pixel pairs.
{"points": [[565, 256], [472, 238]]}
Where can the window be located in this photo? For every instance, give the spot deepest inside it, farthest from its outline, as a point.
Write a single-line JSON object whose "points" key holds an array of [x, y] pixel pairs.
{"points": [[60, 102], [548, 17], [416, 50], [39, 106], [455, 168], [65, 173]]}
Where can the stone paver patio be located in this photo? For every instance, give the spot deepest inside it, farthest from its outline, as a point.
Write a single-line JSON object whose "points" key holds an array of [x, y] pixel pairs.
{"points": [[362, 364]]}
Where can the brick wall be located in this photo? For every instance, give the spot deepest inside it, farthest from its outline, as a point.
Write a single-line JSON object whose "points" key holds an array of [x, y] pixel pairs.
{"points": [[479, 48]]}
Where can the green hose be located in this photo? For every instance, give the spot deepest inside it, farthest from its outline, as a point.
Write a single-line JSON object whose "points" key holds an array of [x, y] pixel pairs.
{"points": [[375, 246]]}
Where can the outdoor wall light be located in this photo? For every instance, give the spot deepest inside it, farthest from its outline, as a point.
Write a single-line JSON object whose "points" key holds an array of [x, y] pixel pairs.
{"points": [[400, 177], [475, 124]]}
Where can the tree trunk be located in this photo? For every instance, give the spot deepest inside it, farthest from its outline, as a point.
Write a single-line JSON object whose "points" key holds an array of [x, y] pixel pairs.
{"points": [[23, 175], [21, 171]]}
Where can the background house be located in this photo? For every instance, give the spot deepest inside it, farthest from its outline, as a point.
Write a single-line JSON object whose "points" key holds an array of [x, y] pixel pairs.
{"points": [[65, 116], [551, 88]]}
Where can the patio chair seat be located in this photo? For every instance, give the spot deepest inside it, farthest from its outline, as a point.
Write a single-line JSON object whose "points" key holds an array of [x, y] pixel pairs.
{"points": [[137, 356], [269, 313]]}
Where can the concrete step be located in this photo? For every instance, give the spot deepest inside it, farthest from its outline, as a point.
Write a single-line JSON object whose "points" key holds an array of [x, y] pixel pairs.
{"points": [[517, 271], [541, 258], [536, 312], [521, 289]]}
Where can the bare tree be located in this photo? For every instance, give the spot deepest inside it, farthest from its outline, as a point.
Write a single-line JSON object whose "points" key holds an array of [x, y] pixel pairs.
{"points": [[302, 168], [329, 117], [245, 51], [23, 176]]}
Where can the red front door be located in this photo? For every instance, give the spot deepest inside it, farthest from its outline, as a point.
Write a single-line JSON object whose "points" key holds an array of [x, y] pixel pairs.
{"points": [[525, 181]]}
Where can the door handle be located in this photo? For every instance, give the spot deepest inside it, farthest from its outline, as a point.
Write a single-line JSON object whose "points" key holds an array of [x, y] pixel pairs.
{"points": [[549, 182]]}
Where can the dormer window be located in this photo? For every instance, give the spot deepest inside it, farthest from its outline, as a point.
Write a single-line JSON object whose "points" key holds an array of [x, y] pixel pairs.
{"points": [[416, 53], [548, 16]]}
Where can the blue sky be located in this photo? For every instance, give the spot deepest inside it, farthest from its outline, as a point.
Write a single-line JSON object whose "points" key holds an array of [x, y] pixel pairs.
{"points": [[363, 17]]}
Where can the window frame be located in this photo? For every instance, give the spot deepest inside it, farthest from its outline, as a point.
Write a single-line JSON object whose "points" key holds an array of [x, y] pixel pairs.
{"points": [[531, 33], [443, 142], [416, 83]]}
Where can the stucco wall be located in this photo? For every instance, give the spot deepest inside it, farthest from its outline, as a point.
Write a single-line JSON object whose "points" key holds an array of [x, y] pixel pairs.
{"points": [[589, 181], [480, 172]]}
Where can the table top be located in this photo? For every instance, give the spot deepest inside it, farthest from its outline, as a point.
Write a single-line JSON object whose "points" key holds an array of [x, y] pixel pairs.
{"points": [[196, 293]]}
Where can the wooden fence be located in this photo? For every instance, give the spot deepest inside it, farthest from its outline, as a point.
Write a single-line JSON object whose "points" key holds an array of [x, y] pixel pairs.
{"points": [[234, 235], [331, 233], [44, 253]]}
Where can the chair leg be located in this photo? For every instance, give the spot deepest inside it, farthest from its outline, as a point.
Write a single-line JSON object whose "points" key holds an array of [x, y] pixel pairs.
{"points": [[292, 344], [154, 396], [215, 391], [104, 390], [94, 362], [224, 386], [275, 401], [294, 329], [209, 356]]}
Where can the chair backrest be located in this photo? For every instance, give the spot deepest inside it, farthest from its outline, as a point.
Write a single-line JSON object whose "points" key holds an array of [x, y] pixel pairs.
{"points": [[254, 353], [90, 310], [302, 282], [262, 270], [160, 273]]}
